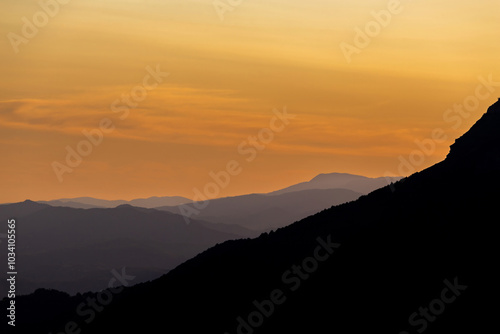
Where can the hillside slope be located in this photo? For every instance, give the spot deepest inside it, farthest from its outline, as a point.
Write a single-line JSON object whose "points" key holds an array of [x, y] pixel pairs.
{"points": [[415, 257]]}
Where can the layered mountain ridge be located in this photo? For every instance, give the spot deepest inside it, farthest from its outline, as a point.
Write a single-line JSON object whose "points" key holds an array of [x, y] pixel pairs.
{"points": [[384, 263]]}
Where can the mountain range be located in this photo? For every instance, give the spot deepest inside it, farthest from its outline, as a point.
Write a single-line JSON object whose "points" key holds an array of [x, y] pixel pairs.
{"points": [[89, 202], [265, 212], [416, 256], [257, 212], [73, 250], [357, 183]]}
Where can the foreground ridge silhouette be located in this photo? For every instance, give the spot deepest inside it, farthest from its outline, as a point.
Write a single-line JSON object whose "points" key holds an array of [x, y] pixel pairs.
{"points": [[482, 138], [416, 256]]}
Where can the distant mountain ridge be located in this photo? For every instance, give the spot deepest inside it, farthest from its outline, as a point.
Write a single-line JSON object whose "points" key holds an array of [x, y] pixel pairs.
{"points": [[257, 212], [73, 250], [231, 217], [415, 256], [90, 202], [357, 183], [262, 212]]}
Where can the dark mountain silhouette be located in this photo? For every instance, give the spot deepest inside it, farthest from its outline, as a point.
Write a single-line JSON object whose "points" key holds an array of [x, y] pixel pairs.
{"points": [[89, 202], [260, 208], [416, 257], [481, 141], [260, 212], [357, 183], [256, 212], [74, 249]]}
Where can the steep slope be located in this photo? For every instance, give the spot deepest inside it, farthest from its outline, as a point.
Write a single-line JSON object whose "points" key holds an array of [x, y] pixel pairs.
{"points": [[481, 141], [418, 256]]}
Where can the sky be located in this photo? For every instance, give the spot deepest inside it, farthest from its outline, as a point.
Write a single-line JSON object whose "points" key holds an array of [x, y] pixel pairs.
{"points": [[171, 92]]}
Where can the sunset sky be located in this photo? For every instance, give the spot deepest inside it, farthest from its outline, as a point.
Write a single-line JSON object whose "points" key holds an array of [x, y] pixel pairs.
{"points": [[225, 79]]}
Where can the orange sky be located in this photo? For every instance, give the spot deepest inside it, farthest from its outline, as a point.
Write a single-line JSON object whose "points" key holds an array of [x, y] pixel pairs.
{"points": [[225, 79]]}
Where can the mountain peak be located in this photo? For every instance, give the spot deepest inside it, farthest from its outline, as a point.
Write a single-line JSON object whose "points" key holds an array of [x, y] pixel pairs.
{"points": [[125, 206], [329, 176], [482, 139]]}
